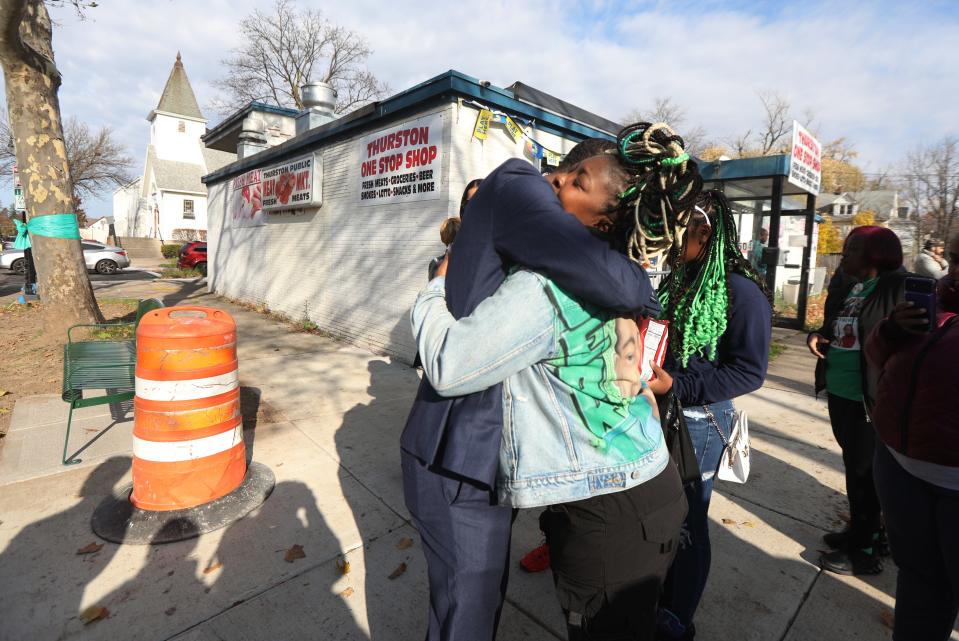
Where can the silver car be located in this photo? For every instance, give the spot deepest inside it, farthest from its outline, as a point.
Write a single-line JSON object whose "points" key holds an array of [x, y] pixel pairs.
{"points": [[104, 259]]}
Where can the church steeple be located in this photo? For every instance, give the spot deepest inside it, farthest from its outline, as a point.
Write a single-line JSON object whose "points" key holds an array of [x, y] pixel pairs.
{"points": [[178, 97]]}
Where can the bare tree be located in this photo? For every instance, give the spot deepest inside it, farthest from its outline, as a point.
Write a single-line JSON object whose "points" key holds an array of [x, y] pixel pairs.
{"points": [[32, 82], [666, 110], [772, 135], [288, 47], [930, 184], [97, 161]]}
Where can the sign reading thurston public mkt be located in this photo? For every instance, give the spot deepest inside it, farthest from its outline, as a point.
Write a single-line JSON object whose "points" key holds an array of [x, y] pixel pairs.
{"points": [[295, 184], [403, 163], [805, 164]]}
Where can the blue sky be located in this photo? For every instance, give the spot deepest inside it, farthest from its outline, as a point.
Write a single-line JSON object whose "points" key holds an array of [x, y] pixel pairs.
{"points": [[881, 74]]}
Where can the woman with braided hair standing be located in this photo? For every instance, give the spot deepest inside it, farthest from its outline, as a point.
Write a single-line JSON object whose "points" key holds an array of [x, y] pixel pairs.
{"points": [[720, 328]]}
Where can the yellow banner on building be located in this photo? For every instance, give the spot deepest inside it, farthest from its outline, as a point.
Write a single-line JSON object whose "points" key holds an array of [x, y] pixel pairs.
{"points": [[514, 130], [481, 130]]}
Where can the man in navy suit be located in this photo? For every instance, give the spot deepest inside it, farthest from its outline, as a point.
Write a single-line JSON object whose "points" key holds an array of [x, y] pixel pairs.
{"points": [[450, 446]]}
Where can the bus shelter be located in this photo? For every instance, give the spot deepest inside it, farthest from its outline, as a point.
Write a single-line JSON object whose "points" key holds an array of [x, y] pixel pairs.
{"points": [[777, 229]]}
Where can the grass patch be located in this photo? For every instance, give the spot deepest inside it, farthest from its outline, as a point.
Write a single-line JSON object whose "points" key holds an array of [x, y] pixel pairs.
{"points": [[176, 272], [117, 333], [776, 350]]}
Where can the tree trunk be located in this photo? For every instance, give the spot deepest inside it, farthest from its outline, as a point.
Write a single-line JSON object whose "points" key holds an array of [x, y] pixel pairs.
{"points": [[32, 83]]}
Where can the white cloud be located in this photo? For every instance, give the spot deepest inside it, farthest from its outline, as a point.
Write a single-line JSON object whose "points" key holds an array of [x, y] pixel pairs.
{"points": [[874, 73]]}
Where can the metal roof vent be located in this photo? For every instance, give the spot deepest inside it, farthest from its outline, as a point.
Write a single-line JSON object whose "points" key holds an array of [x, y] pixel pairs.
{"points": [[319, 100]]}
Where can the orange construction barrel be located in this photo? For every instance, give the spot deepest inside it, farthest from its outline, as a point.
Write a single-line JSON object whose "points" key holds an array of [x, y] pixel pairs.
{"points": [[188, 432]]}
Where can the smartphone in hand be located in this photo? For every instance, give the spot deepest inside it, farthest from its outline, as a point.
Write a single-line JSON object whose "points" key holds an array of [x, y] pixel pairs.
{"points": [[921, 292]]}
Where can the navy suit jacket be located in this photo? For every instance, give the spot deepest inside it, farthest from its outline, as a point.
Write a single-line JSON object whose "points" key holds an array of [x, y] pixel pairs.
{"points": [[514, 218]]}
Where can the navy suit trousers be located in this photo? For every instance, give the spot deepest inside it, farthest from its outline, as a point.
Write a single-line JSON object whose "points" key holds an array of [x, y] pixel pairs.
{"points": [[466, 542]]}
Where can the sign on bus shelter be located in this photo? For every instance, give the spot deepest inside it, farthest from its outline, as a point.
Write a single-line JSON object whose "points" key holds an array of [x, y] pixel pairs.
{"points": [[805, 164]]}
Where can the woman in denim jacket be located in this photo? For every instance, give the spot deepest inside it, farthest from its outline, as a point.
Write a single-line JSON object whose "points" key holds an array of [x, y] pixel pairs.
{"points": [[581, 430]]}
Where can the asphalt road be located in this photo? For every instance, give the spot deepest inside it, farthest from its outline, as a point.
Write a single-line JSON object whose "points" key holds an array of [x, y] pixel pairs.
{"points": [[11, 283]]}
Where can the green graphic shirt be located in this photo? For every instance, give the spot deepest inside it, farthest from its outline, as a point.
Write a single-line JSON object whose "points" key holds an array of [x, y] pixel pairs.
{"points": [[598, 359], [843, 361]]}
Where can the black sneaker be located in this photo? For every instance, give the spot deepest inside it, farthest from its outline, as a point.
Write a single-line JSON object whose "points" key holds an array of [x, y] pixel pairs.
{"points": [[851, 562], [838, 541]]}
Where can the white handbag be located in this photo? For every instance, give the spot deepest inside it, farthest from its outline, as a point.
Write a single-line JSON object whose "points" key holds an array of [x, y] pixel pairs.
{"points": [[734, 463]]}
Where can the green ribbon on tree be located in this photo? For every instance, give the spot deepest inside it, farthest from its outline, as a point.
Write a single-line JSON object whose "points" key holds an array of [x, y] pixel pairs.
{"points": [[52, 226]]}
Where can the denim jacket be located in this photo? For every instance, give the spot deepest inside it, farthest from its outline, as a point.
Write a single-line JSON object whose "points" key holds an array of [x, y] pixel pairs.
{"points": [[573, 427]]}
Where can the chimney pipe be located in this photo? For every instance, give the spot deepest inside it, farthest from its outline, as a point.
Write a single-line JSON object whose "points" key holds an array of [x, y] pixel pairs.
{"points": [[319, 100]]}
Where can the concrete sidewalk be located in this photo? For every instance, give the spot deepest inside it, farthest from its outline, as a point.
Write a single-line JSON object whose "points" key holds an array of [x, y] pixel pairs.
{"points": [[330, 416]]}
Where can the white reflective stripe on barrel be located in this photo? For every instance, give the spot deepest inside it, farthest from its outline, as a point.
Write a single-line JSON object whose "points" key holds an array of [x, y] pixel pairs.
{"points": [[187, 390], [176, 451]]}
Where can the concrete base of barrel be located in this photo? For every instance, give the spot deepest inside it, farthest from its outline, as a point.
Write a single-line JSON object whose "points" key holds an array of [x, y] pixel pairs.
{"points": [[117, 520]]}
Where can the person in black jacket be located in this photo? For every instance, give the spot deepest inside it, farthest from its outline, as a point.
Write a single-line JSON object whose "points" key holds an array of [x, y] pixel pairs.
{"points": [[873, 284], [720, 328]]}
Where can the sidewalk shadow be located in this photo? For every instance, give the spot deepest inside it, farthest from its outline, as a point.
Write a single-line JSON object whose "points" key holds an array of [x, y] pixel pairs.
{"points": [[356, 444], [32, 564]]}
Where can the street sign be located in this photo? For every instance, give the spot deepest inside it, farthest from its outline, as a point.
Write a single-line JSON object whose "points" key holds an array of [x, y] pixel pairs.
{"points": [[805, 164]]}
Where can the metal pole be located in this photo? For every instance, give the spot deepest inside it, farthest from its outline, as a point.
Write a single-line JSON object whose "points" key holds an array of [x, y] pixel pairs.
{"points": [[806, 256], [774, 213]]}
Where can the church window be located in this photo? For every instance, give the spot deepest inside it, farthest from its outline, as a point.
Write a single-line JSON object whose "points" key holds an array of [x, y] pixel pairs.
{"points": [[188, 209], [181, 126]]}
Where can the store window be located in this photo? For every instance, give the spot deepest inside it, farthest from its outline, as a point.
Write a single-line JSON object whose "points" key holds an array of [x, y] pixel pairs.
{"points": [[188, 209]]}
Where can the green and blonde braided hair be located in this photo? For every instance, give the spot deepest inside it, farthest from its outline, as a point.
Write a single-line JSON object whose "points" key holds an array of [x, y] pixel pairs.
{"points": [[662, 183], [695, 296]]}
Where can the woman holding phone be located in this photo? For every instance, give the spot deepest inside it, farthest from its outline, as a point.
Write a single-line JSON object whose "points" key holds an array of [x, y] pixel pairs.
{"points": [[917, 461]]}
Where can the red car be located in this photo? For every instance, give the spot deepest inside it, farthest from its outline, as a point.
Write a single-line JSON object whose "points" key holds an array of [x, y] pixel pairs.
{"points": [[193, 256]]}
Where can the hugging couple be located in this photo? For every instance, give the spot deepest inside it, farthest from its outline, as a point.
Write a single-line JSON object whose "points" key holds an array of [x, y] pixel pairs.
{"points": [[532, 397]]}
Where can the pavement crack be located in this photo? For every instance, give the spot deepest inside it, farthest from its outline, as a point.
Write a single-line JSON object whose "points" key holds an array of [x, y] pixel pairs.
{"points": [[797, 519], [802, 603]]}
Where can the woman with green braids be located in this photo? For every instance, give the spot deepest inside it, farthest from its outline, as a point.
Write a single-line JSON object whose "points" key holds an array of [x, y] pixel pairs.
{"points": [[720, 327], [581, 431]]}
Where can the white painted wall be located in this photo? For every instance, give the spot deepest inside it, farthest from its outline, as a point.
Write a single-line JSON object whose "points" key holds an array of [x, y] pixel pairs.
{"points": [[131, 213], [354, 271], [171, 213], [172, 144]]}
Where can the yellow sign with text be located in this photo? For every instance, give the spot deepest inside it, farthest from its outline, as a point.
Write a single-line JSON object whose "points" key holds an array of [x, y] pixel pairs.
{"points": [[481, 130], [514, 130]]}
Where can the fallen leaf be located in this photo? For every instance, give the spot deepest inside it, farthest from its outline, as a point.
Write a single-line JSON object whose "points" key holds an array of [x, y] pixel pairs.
{"points": [[888, 618], [343, 565], [216, 566], [90, 549], [347, 592], [729, 522], [404, 543], [169, 611], [400, 569], [294, 553], [3, 392], [748, 524], [93, 613]]}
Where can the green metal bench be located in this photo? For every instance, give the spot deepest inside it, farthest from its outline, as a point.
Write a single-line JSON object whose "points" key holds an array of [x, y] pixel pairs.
{"points": [[100, 364]]}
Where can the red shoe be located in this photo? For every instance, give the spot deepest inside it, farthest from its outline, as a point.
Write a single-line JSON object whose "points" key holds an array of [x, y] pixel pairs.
{"points": [[537, 560]]}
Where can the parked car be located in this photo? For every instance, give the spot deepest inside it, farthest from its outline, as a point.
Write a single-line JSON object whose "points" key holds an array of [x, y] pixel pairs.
{"points": [[6, 242], [104, 259], [193, 256]]}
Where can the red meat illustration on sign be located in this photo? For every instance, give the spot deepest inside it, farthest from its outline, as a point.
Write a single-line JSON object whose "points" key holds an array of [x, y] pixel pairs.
{"points": [[285, 183], [252, 200]]}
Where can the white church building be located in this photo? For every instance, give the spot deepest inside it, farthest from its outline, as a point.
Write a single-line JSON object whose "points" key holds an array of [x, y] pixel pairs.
{"points": [[169, 202]]}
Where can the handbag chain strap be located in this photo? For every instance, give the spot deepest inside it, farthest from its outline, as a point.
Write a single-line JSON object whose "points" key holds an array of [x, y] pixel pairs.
{"points": [[712, 419]]}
